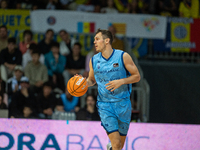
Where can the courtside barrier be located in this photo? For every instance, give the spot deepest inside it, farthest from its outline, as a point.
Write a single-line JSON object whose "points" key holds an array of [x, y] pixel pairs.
{"points": [[18, 134]]}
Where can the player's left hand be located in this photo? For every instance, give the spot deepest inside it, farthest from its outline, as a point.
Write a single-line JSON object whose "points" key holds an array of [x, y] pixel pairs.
{"points": [[112, 85]]}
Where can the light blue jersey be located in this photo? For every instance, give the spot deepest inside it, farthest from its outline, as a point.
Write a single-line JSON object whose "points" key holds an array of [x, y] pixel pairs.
{"points": [[106, 70]]}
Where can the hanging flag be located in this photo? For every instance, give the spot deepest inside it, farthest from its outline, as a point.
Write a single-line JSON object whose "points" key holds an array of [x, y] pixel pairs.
{"points": [[182, 36], [120, 28], [86, 27]]}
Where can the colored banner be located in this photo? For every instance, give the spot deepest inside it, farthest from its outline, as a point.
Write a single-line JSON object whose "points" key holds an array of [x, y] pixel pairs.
{"points": [[120, 28], [131, 25], [87, 135], [15, 20], [86, 27], [182, 36]]}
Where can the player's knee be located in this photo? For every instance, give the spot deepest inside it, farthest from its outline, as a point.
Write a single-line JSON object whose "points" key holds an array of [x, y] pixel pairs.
{"points": [[117, 144]]}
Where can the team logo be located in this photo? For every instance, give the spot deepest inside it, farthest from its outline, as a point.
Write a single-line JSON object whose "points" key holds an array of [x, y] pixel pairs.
{"points": [[150, 23], [51, 20], [180, 32], [115, 65], [98, 65]]}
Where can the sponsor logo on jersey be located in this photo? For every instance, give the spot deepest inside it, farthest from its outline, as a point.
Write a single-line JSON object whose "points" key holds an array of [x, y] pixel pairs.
{"points": [[98, 65], [115, 65]]}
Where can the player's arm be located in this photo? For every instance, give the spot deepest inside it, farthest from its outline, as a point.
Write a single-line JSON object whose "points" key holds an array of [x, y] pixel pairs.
{"points": [[133, 78], [131, 67], [91, 80]]}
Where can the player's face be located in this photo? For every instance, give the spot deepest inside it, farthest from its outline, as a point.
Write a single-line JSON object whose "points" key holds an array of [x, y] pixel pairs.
{"points": [[99, 42]]}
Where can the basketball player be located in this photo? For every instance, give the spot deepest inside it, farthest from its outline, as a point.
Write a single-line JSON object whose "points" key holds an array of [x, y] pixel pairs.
{"points": [[114, 71]]}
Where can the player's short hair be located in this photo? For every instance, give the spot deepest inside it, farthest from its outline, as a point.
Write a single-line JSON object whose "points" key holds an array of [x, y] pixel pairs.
{"points": [[105, 34], [12, 40], [28, 32]]}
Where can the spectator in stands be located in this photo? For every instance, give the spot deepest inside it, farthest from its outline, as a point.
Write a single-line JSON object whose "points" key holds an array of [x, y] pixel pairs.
{"points": [[55, 63], [2, 85], [74, 4], [70, 102], [22, 98], [121, 5], [97, 7], [66, 44], [87, 60], [51, 5], [46, 101], [27, 56], [2, 104], [133, 7], [167, 8], [3, 37], [86, 8], [75, 63], [36, 72], [117, 43], [13, 83], [18, 5], [45, 44], [3, 92], [144, 6], [10, 57], [35, 5], [11, 4], [63, 4], [27, 40], [189, 8], [28, 112], [26, 4], [59, 104], [89, 112], [54, 4], [110, 8], [4, 4]]}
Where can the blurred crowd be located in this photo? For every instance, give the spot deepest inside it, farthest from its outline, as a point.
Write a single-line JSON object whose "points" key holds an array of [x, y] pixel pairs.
{"points": [[182, 8], [33, 76]]}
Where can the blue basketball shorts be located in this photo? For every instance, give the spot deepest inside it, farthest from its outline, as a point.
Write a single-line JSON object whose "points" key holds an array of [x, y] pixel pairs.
{"points": [[115, 116]]}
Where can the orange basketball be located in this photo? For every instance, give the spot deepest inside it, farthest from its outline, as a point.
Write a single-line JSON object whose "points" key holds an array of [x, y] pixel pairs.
{"points": [[77, 86]]}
